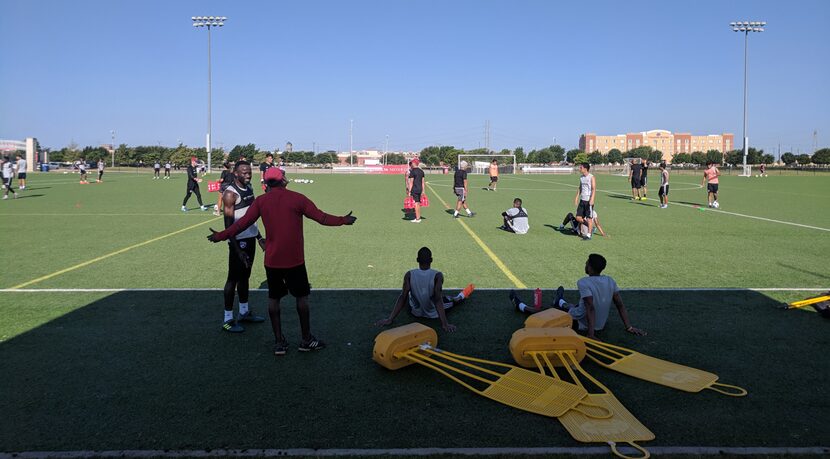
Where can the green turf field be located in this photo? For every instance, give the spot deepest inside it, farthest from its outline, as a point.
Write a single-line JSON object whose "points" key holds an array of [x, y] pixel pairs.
{"points": [[147, 370], [65, 224]]}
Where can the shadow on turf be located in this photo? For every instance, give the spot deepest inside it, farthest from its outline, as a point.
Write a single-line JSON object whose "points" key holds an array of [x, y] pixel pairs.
{"points": [[24, 196], [796, 268], [153, 370]]}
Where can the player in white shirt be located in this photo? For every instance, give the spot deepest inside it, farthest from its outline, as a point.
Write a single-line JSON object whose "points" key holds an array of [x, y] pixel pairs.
{"points": [[515, 218], [21, 172]]}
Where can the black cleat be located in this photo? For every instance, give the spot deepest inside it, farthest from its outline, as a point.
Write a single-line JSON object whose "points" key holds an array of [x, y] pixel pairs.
{"points": [[312, 344], [281, 347], [232, 327], [251, 317]]}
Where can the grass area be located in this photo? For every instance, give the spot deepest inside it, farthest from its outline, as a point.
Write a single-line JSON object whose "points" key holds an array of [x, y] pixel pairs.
{"points": [[681, 246], [151, 370]]}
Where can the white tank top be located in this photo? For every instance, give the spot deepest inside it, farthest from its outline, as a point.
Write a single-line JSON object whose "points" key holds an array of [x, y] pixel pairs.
{"points": [[244, 199], [585, 187]]}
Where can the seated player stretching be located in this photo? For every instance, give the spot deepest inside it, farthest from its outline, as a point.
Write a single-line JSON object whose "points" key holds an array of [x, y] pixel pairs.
{"points": [[596, 293], [423, 290]]}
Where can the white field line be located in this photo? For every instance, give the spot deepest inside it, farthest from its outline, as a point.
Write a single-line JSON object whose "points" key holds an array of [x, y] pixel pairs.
{"points": [[392, 289], [550, 451], [736, 214]]}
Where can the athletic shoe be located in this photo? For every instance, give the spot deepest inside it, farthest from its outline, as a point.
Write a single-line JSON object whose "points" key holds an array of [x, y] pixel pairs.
{"points": [[205, 207], [560, 294], [15, 196], [515, 300], [216, 207], [313, 344], [471, 214], [456, 215], [184, 209], [5, 196], [281, 347], [232, 327], [418, 220], [251, 317], [468, 290], [216, 212], [586, 238]]}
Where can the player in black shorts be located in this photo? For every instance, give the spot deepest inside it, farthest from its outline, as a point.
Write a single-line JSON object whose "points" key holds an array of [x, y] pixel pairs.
{"points": [[193, 185], [644, 179], [460, 188], [237, 196], [415, 187], [635, 175], [264, 166], [156, 170]]}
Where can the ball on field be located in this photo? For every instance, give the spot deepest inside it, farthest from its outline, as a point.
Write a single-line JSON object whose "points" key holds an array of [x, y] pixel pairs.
{"points": [[311, 181], [715, 205]]}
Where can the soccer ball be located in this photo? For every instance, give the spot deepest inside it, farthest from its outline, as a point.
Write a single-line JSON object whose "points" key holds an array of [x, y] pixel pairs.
{"points": [[715, 204], [311, 181]]}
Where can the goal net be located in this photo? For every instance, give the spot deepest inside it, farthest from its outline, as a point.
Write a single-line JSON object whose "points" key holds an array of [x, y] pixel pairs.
{"points": [[746, 171], [625, 168], [480, 164]]}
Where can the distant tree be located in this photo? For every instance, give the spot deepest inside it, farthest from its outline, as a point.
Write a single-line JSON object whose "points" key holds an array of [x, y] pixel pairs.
{"points": [[520, 154], [803, 159], [544, 156], [822, 156], [767, 159], [643, 152], [699, 158], [180, 155], [655, 156], [581, 157], [326, 158], [395, 158], [571, 155], [615, 156], [558, 153], [248, 151], [505, 151], [788, 158], [596, 158], [735, 157], [715, 156], [682, 158]]}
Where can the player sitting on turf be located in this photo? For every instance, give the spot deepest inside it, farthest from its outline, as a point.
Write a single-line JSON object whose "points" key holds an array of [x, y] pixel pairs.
{"points": [[581, 229], [596, 293], [423, 290], [515, 218]]}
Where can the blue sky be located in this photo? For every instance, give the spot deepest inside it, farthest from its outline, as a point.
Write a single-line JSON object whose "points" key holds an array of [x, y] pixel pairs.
{"points": [[421, 72]]}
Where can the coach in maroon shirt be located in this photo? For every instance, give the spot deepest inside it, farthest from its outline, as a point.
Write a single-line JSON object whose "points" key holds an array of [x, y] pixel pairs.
{"points": [[282, 213]]}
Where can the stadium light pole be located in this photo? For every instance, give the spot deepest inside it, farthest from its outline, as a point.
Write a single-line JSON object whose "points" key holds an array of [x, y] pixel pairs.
{"points": [[208, 21], [746, 28], [112, 132]]}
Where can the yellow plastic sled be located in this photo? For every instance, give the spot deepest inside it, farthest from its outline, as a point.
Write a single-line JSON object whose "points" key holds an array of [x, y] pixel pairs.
{"points": [[517, 387], [808, 301], [527, 348], [656, 370]]}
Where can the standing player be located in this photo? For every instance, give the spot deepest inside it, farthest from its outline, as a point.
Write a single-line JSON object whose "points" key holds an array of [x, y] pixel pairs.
{"points": [[584, 199], [100, 171], [415, 186], [156, 170], [282, 213], [193, 185], [635, 175], [710, 179], [644, 179], [461, 190], [167, 170], [264, 166], [763, 170], [663, 193], [82, 170], [494, 175], [228, 176], [21, 172], [237, 197], [8, 175]]}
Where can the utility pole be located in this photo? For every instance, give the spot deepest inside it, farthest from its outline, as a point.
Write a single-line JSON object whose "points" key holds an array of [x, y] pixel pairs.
{"points": [[351, 147], [112, 132]]}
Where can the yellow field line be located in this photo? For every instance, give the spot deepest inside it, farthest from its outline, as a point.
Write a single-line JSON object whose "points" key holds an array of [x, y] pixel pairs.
{"points": [[516, 282], [111, 254]]}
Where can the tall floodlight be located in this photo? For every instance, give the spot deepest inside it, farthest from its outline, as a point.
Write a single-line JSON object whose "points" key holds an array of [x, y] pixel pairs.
{"points": [[208, 21], [112, 132], [746, 28]]}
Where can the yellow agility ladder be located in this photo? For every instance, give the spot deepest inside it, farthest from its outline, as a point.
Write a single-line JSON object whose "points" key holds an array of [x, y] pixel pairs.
{"points": [[517, 387], [809, 301], [527, 347], [656, 370]]}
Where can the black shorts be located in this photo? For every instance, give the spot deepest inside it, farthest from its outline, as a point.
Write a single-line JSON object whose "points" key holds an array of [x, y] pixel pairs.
{"points": [[494, 179], [644, 181], [712, 187], [663, 191], [416, 197], [157, 170], [21, 176], [287, 280], [236, 270], [636, 183], [584, 210]]}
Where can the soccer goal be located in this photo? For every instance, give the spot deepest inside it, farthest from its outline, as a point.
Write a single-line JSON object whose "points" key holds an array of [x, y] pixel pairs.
{"points": [[746, 172], [625, 169], [480, 164]]}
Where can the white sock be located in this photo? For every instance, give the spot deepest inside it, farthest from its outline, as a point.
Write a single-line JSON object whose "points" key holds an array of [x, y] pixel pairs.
{"points": [[228, 316], [460, 296], [469, 211], [455, 214], [243, 308], [523, 307], [562, 303]]}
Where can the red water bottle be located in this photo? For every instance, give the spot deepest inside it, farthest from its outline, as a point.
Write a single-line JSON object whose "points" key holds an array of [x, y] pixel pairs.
{"points": [[537, 299]]}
